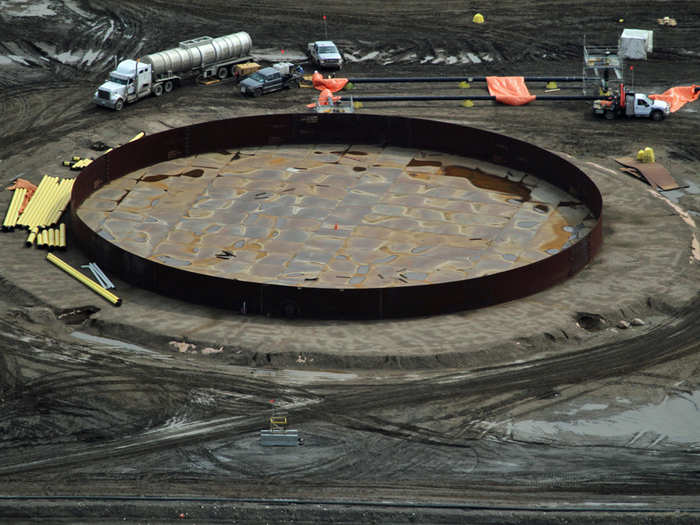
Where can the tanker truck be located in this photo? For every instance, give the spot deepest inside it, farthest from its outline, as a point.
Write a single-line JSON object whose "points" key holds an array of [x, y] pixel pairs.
{"points": [[158, 73]]}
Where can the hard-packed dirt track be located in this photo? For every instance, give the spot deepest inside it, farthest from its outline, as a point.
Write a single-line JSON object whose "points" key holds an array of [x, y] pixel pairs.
{"points": [[576, 405]]}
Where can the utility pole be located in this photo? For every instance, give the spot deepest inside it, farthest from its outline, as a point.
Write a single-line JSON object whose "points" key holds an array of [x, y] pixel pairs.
{"points": [[325, 27]]}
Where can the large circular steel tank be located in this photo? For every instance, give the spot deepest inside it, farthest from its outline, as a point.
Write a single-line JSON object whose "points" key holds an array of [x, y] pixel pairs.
{"points": [[337, 215]]}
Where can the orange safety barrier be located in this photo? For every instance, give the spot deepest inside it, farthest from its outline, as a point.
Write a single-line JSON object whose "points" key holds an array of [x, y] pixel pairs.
{"points": [[334, 84], [31, 188], [509, 90], [677, 97]]}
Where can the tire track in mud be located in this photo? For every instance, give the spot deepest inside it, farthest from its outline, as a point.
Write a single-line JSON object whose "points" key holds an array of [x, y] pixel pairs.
{"points": [[677, 338]]}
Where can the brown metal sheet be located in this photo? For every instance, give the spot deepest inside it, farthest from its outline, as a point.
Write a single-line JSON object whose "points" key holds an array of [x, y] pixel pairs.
{"points": [[654, 173], [188, 213]]}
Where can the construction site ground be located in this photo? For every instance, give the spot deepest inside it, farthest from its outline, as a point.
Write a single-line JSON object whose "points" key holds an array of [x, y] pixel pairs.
{"points": [[541, 410]]}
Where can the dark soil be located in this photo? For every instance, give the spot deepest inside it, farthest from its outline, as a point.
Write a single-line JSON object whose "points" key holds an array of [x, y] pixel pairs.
{"points": [[85, 419]]}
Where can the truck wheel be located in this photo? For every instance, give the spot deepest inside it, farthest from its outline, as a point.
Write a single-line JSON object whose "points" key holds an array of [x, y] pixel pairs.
{"points": [[168, 86], [609, 115], [257, 92], [222, 73], [158, 90], [657, 115], [119, 105]]}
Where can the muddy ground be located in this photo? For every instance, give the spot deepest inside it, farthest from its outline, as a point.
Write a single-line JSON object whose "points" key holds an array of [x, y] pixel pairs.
{"points": [[603, 431]]}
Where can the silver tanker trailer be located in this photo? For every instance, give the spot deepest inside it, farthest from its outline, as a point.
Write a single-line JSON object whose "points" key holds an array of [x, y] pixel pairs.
{"points": [[203, 57]]}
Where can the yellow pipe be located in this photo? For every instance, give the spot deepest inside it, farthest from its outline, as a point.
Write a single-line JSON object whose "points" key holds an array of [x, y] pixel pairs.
{"points": [[20, 199], [53, 204], [40, 239], [63, 201], [30, 239], [34, 220], [48, 203], [138, 136], [84, 279], [32, 202], [10, 211], [62, 236], [47, 208], [51, 242], [13, 210]]}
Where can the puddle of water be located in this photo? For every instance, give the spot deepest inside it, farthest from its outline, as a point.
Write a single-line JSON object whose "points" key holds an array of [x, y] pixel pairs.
{"points": [[25, 8], [527, 224], [171, 261], [105, 341], [301, 376], [676, 419], [415, 276]]}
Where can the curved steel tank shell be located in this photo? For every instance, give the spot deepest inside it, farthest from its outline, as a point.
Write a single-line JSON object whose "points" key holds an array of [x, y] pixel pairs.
{"points": [[200, 52], [226, 137]]}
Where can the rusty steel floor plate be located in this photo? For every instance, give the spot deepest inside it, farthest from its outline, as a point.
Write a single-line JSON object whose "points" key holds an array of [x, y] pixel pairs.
{"points": [[336, 216]]}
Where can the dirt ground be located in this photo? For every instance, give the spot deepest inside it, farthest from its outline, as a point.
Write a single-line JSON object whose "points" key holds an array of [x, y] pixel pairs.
{"points": [[602, 432]]}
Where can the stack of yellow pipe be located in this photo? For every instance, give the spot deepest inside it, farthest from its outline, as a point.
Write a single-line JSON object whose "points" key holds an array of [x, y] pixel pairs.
{"points": [[48, 203], [51, 238], [80, 164], [13, 211]]}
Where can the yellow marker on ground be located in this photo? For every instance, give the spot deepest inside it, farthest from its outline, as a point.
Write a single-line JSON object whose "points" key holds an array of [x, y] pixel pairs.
{"points": [[116, 301]]}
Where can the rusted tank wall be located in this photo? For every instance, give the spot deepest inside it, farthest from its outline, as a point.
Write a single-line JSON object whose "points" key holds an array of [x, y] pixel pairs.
{"points": [[338, 128]]}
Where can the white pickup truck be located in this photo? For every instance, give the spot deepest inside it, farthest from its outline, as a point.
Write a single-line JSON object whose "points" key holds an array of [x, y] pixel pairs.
{"points": [[325, 54], [630, 104]]}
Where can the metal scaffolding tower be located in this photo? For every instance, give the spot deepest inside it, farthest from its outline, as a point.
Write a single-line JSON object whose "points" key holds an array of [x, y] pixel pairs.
{"points": [[601, 65]]}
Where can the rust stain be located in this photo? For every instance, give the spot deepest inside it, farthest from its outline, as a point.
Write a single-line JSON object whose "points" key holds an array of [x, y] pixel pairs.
{"points": [[487, 181], [554, 230]]}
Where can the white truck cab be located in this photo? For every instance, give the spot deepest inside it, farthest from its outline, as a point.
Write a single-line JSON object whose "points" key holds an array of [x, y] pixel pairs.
{"points": [[129, 82], [639, 105]]}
